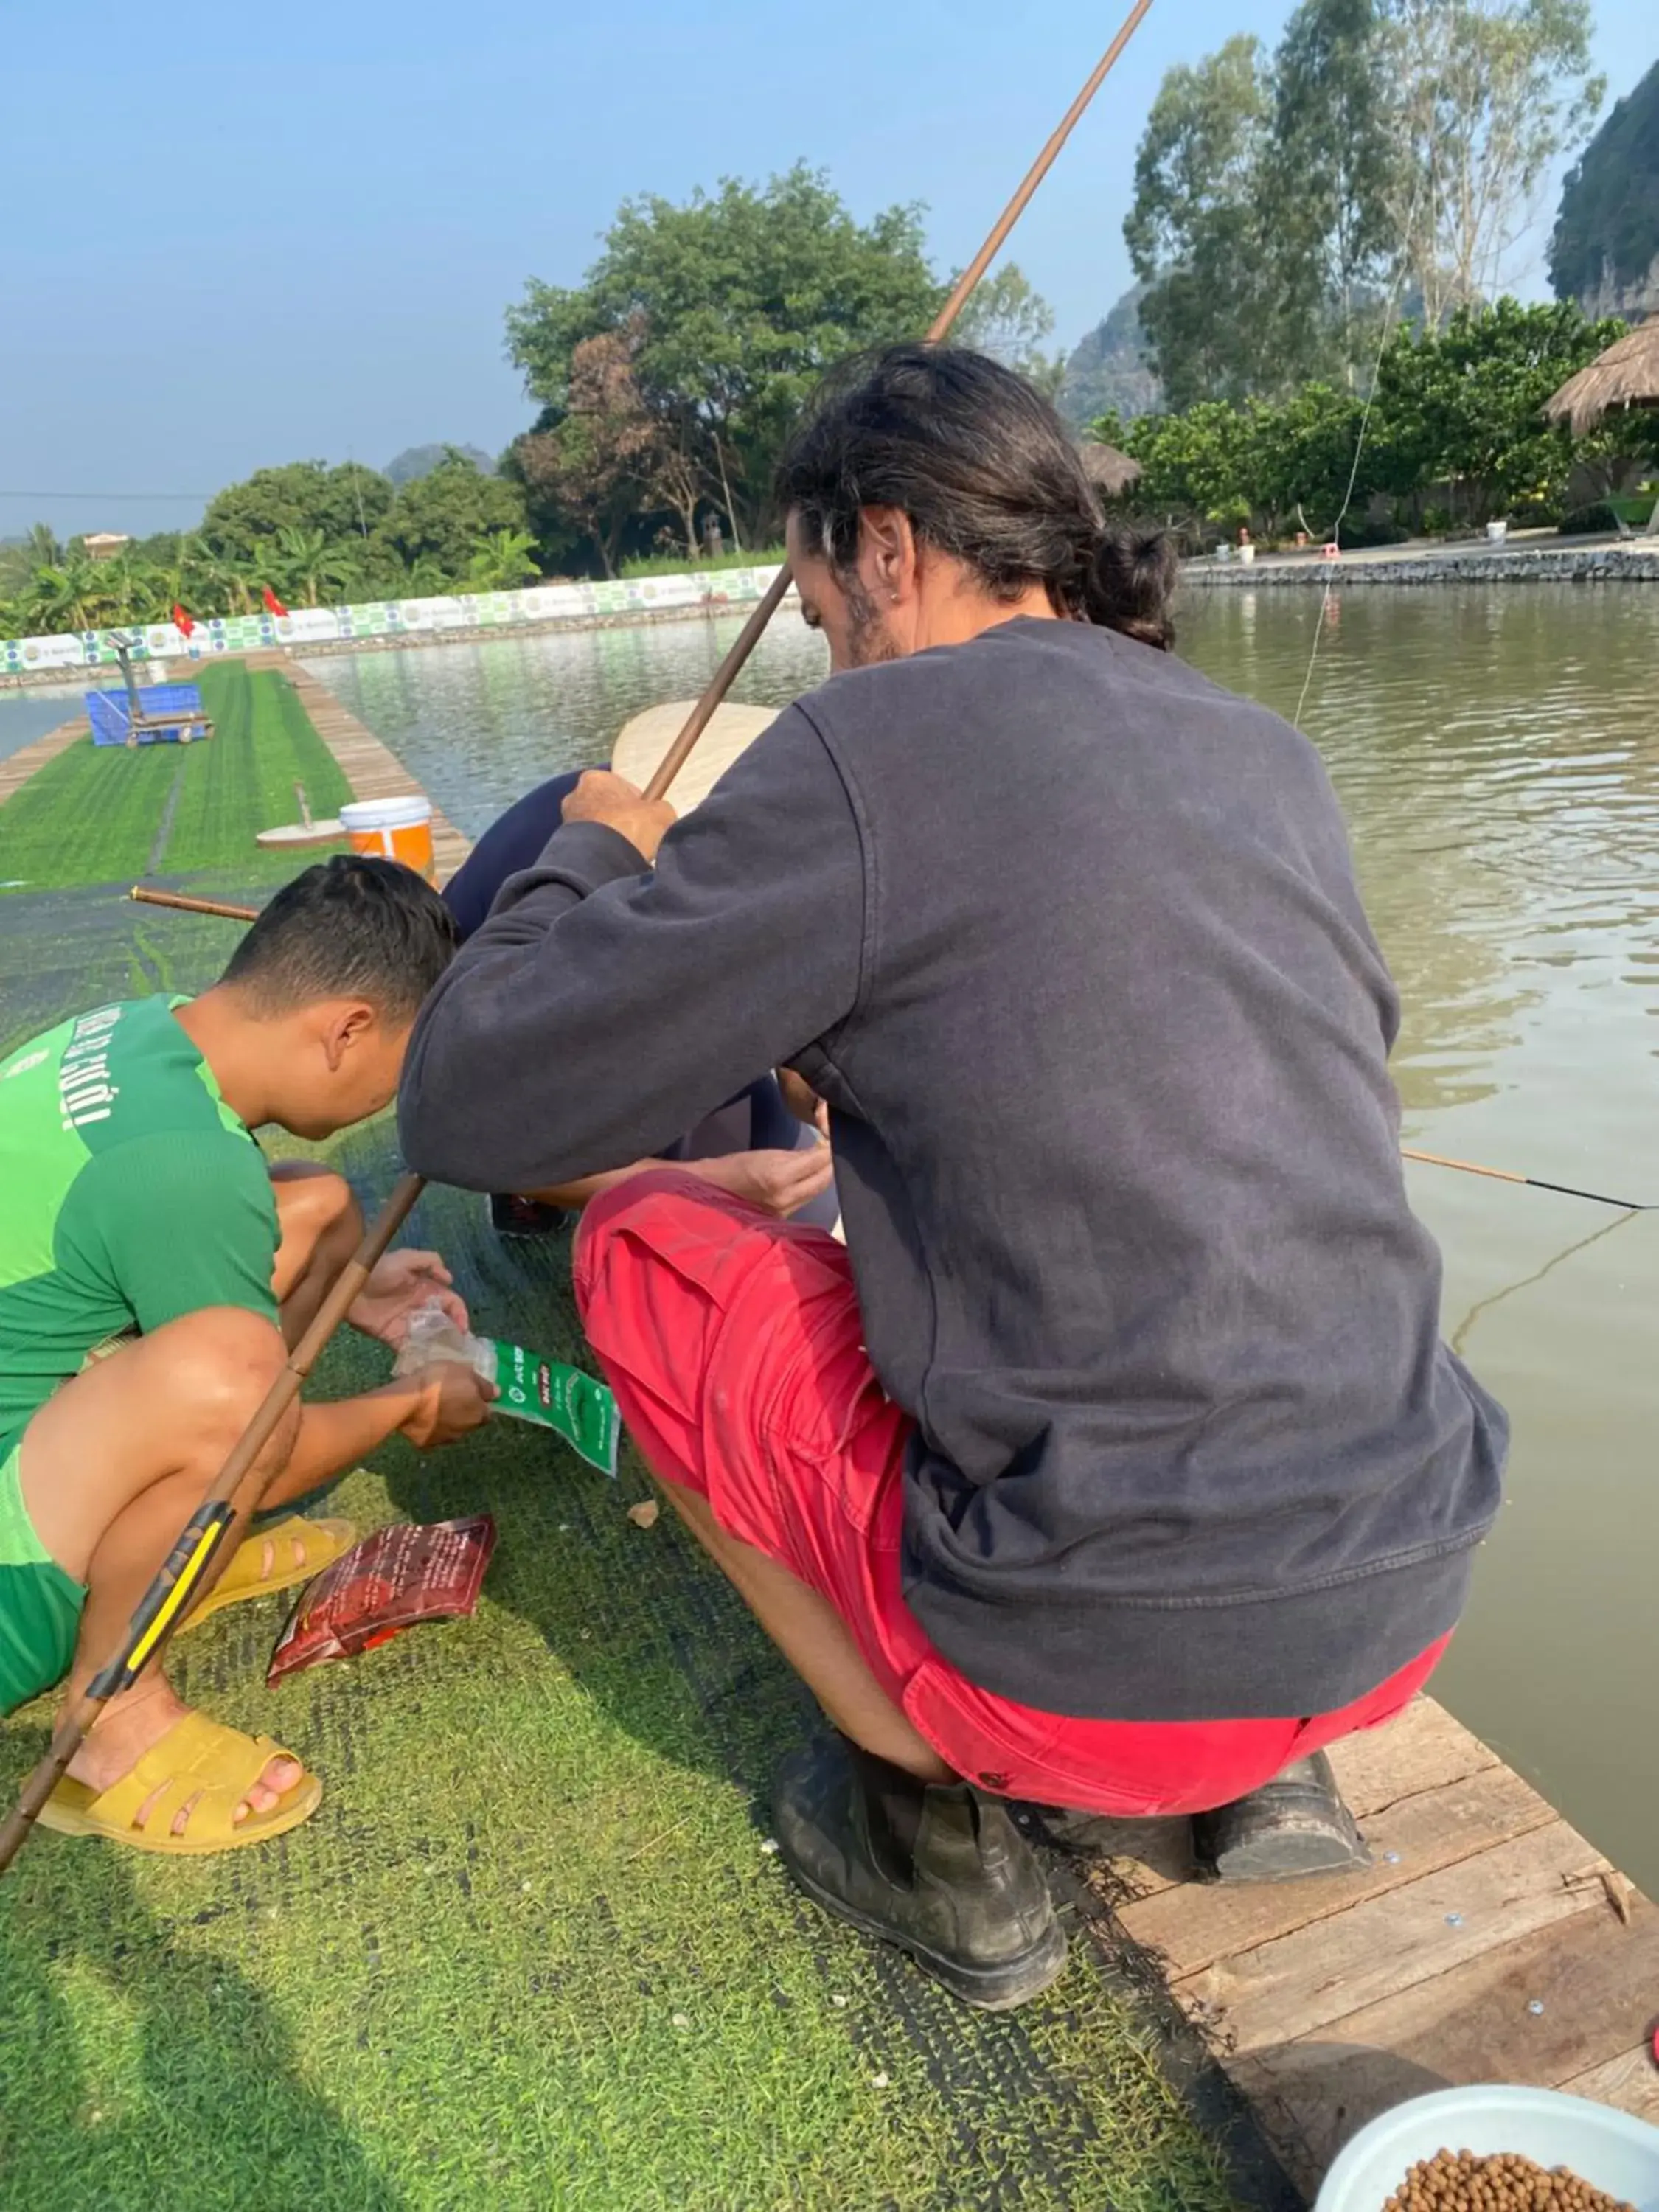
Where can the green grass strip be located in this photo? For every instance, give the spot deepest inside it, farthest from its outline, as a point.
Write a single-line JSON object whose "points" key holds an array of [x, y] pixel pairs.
{"points": [[530, 1954], [93, 815]]}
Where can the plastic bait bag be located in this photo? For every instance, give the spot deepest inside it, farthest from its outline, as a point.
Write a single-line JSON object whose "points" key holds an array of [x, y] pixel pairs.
{"points": [[543, 1391], [390, 1582]]}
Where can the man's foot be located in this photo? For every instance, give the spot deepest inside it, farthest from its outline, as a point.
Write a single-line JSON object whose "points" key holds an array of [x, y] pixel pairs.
{"points": [[524, 1216], [130, 1725], [1293, 1825], [937, 1868]]}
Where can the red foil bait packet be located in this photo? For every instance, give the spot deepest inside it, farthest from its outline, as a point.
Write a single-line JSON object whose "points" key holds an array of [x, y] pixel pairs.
{"points": [[391, 1581]]}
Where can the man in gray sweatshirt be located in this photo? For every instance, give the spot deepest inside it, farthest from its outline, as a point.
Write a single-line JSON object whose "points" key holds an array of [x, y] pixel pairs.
{"points": [[1116, 1464]]}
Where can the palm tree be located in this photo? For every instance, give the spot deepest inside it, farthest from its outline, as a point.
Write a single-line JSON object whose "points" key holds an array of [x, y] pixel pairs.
{"points": [[305, 562], [212, 585], [70, 594], [502, 563]]}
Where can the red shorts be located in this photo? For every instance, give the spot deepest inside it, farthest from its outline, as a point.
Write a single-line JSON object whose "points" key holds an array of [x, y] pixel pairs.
{"points": [[735, 1346]]}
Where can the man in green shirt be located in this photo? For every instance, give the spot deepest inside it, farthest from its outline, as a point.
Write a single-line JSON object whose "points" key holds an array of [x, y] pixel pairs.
{"points": [[152, 1272]]}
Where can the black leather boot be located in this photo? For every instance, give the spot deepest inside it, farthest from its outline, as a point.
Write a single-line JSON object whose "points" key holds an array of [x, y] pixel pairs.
{"points": [[524, 1217], [1294, 1825], [937, 1868]]}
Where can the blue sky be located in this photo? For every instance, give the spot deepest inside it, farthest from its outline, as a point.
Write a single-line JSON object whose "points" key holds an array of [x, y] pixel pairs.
{"points": [[262, 234]]}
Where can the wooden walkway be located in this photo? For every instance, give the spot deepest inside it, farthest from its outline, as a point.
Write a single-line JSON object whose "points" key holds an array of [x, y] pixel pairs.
{"points": [[17, 768], [372, 769], [1489, 1943]]}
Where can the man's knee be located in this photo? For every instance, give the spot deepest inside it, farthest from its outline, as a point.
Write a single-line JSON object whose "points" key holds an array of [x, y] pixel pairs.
{"points": [[218, 1364]]}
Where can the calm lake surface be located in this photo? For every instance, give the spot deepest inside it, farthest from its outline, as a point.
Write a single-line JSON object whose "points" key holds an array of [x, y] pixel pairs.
{"points": [[1498, 754]]}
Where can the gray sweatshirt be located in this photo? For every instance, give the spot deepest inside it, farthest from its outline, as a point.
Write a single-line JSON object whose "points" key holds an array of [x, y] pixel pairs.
{"points": [[1070, 940]]}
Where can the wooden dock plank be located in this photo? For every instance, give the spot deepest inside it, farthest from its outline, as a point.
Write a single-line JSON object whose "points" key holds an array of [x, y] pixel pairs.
{"points": [[1594, 1977], [1299, 1983], [373, 770], [1630, 2082], [1417, 1834], [1329, 2002]]}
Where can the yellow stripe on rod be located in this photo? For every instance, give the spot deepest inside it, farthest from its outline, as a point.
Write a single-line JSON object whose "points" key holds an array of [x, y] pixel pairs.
{"points": [[189, 1575]]}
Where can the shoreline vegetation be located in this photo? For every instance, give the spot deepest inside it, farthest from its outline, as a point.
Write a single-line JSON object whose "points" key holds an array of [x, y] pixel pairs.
{"points": [[1538, 558]]}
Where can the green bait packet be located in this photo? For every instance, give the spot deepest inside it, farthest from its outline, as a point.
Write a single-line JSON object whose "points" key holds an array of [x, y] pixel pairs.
{"points": [[553, 1397], [544, 1391]]}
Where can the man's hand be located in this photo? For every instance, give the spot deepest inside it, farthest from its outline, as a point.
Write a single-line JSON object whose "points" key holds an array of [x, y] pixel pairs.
{"points": [[612, 799], [781, 1182], [453, 1401], [402, 1281], [803, 1101]]}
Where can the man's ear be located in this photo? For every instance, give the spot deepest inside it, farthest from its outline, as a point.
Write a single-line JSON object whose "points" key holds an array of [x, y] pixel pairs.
{"points": [[887, 552], [346, 1023]]}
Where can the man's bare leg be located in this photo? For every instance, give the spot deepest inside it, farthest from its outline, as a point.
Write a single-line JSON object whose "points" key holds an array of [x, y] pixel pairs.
{"points": [[112, 1466], [815, 1640]]}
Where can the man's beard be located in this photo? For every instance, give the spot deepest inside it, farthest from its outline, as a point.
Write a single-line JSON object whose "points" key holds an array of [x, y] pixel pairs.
{"points": [[868, 638]]}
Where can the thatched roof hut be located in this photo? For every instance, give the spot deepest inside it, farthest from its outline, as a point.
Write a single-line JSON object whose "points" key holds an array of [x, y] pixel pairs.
{"points": [[1110, 472], [1625, 376]]}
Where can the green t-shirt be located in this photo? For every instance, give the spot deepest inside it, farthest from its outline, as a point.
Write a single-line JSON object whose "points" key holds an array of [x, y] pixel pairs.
{"points": [[130, 1193]]}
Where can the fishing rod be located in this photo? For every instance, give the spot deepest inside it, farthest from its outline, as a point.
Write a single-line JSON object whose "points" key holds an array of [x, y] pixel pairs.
{"points": [[185, 1573], [186, 1568], [178, 900], [1533, 1182], [749, 636], [1427, 1159]]}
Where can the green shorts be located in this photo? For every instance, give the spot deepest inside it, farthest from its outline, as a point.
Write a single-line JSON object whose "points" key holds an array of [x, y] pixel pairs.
{"points": [[39, 1604]]}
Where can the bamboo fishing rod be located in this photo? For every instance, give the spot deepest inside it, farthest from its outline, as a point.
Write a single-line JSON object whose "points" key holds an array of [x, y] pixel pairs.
{"points": [[168, 1597], [183, 905], [1427, 1159], [749, 636], [1533, 1182]]}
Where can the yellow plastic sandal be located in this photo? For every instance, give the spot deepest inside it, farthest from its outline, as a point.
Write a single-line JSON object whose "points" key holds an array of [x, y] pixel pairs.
{"points": [[322, 1542], [196, 1758]]}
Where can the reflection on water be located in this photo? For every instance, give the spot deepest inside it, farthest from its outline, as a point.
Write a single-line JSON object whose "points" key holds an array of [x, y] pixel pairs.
{"points": [[1498, 754]]}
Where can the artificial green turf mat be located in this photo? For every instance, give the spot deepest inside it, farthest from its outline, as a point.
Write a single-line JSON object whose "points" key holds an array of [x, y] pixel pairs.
{"points": [[530, 1952], [99, 813]]}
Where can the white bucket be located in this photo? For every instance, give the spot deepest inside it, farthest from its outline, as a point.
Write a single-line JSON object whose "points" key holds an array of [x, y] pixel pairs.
{"points": [[1608, 2149], [394, 829], [1497, 534]]}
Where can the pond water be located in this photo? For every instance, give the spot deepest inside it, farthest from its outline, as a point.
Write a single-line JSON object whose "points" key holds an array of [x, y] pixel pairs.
{"points": [[27, 715], [1498, 754]]}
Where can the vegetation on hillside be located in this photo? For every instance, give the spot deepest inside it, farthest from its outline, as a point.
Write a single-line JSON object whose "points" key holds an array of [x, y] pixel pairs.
{"points": [[1108, 371], [1605, 251]]}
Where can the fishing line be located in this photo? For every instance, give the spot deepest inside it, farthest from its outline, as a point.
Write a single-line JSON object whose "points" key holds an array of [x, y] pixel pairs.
{"points": [[1359, 444], [1465, 1329]]}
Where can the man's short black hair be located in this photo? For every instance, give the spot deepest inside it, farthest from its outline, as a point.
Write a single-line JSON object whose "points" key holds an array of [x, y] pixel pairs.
{"points": [[350, 927]]}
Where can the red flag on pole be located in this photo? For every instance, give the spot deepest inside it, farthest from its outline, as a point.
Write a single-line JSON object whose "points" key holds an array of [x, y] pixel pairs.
{"points": [[273, 605], [182, 623]]}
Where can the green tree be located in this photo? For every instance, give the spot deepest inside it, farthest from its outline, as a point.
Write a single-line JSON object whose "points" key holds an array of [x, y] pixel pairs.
{"points": [[302, 567], [594, 462], [502, 563], [1464, 405], [1605, 250], [1486, 95], [445, 516], [1196, 234], [71, 594], [343, 502], [1326, 179], [1009, 318], [741, 298]]}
